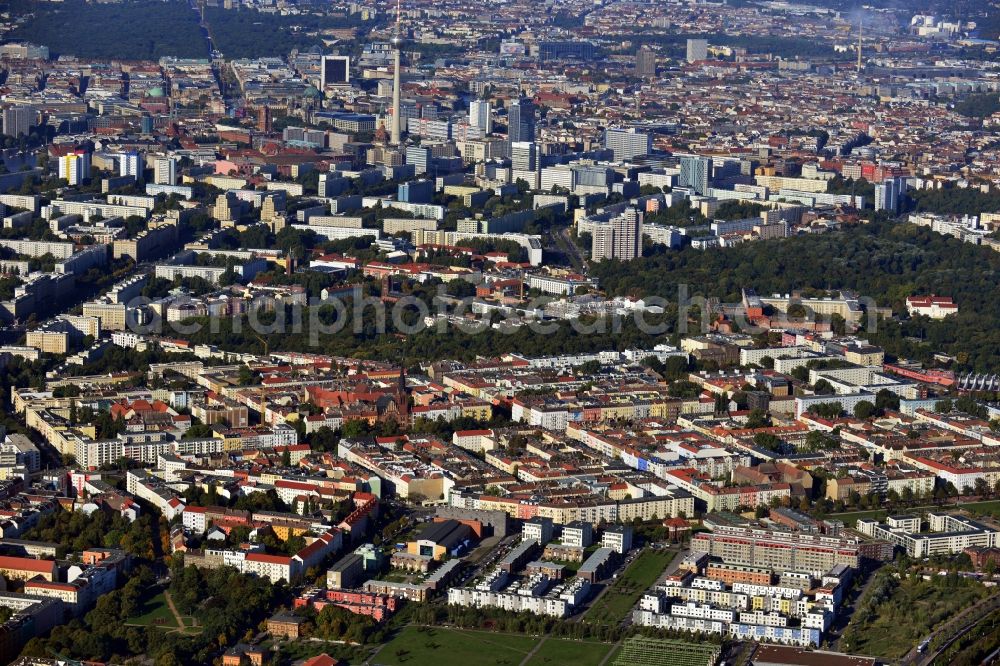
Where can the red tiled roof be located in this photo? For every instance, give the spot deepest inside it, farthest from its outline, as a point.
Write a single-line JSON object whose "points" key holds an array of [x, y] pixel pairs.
{"points": [[270, 559], [321, 660], [26, 564]]}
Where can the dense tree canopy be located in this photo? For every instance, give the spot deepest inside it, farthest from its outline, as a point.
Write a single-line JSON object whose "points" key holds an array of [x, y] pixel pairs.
{"points": [[885, 261], [139, 30]]}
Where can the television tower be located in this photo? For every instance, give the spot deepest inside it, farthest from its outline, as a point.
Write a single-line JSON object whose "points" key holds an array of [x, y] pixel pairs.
{"points": [[860, 35], [397, 44]]}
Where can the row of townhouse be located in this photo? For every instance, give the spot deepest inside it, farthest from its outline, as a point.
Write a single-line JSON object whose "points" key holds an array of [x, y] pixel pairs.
{"points": [[92, 453], [714, 496], [84, 584], [421, 591], [405, 473], [729, 498], [532, 596], [145, 486], [294, 487], [770, 626], [633, 403], [273, 567], [740, 597], [595, 509], [376, 606], [803, 636], [962, 475], [147, 448], [49, 416], [677, 457], [453, 410], [198, 519], [879, 481]]}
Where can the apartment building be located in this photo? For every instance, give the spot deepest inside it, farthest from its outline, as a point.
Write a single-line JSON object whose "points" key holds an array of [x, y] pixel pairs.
{"points": [[786, 551], [947, 534]]}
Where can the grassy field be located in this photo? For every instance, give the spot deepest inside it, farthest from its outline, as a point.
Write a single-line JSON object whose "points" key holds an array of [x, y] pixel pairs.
{"points": [[155, 612], [420, 646], [558, 652], [623, 594], [852, 517], [985, 508], [989, 508]]}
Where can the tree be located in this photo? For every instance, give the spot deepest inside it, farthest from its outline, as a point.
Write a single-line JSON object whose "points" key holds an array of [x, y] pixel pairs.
{"points": [[801, 373], [245, 376], [758, 418], [823, 387], [981, 487], [816, 440], [796, 311], [838, 324], [324, 439], [864, 410], [286, 458], [686, 389], [66, 391], [886, 400], [944, 406], [767, 441], [827, 410], [353, 429], [198, 431], [971, 406]]}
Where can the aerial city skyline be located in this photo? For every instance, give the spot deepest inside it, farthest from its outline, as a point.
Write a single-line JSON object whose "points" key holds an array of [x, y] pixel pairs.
{"points": [[565, 333]]}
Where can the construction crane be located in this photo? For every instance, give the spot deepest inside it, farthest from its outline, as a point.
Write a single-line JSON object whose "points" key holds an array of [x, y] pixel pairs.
{"points": [[263, 341], [262, 407]]}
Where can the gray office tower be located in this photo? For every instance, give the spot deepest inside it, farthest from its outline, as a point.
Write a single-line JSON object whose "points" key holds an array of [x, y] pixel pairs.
{"points": [[696, 173], [521, 121], [627, 143], [645, 62]]}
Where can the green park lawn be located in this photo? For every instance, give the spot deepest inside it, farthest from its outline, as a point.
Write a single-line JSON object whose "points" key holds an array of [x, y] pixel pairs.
{"points": [[986, 508], [438, 646], [155, 612], [625, 592], [558, 652]]}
